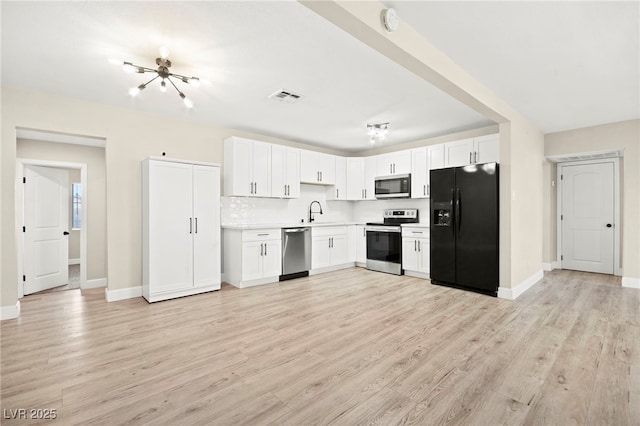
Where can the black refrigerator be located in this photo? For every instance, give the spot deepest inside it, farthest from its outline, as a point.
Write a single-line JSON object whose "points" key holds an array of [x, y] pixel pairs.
{"points": [[464, 227]]}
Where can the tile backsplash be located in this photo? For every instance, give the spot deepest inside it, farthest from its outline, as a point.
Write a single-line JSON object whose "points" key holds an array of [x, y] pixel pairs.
{"points": [[255, 210]]}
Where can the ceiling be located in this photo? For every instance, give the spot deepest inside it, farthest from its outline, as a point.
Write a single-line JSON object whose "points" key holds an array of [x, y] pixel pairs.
{"points": [[563, 65]]}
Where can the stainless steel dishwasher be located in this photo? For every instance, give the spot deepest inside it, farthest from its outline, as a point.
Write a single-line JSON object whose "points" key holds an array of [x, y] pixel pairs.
{"points": [[296, 252]]}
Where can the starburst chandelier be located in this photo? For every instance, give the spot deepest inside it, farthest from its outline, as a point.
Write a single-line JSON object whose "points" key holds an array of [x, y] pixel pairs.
{"points": [[377, 132], [161, 72]]}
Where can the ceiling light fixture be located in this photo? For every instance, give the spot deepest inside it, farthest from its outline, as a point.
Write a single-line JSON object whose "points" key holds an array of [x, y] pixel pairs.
{"points": [[377, 132], [161, 72]]}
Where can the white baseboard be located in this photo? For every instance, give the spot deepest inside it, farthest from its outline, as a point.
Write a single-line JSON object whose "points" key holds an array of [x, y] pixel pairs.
{"points": [[96, 283], [10, 312], [550, 266], [416, 274], [332, 268], [515, 292], [122, 293], [630, 282], [74, 261]]}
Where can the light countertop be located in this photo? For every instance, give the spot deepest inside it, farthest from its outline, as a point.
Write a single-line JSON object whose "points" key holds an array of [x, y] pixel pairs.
{"points": [[242, 226]]}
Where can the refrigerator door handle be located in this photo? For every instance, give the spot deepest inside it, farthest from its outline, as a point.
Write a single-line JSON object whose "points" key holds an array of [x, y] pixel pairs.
{"points": [[458, 218]]}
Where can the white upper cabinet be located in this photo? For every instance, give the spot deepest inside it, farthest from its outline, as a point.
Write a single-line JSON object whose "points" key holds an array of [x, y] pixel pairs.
{"points": [[361, 172], [339, 190], [394, 163], [458, 153], [317, 167], [419, 173], [487, 149], [247, 167], [435, 156], [285, 172], [355, 178], [484, 149], [370, 178]]}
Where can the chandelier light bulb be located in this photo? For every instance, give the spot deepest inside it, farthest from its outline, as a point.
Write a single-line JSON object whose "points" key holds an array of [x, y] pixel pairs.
{"points": [[134, 91], [128, 67], [163, 86], [187, 102], [164, 52], [194, 81]]}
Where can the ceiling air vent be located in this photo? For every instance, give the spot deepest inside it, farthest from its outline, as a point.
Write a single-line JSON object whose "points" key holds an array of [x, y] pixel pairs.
{"points": [[285, 96]]}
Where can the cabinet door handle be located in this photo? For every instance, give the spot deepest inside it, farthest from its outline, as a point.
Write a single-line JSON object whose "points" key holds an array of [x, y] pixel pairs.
{"points": [[429, 189], [394, 168], [424, 189], [419, 249], [263, 235], [390, 168], [337, 193], [415, 245], [265, 249], [190, 226], [261, 249], [320, 176], [470, 162], [364, 232], [196, 220], [365, 193]]}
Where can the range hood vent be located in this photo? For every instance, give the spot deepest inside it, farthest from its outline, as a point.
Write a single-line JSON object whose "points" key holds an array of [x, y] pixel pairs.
{"points": [[285, 96]]}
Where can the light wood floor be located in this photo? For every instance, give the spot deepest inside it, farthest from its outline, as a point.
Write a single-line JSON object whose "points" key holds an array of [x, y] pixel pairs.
{"points": [[348, 347]]}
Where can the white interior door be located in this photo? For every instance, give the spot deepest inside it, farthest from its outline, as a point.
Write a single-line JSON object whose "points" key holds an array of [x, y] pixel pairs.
{"points": [[587, 217], [46, 217]]}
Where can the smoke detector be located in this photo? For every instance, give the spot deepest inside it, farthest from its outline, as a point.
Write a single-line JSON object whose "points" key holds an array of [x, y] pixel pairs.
{"points": [[390, 20]]}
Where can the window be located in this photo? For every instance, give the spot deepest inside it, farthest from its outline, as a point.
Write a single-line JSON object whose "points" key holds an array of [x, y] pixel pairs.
{"points": [[76, 205]]}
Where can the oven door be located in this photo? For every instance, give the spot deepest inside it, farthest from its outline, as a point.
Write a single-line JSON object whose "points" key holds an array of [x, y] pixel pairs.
{"points": [[384, 249]]}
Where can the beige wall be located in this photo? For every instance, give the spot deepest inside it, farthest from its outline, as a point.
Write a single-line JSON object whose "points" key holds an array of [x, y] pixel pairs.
{"points": [[615, 136], [97, 197], [130, 137], [74, 234]]}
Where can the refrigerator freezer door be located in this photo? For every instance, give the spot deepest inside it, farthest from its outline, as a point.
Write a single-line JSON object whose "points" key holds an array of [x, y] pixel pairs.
{"points": [[442, 227], [477, 226]]}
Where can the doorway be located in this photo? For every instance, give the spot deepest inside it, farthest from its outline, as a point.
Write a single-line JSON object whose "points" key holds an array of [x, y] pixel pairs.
{"points": [[43, 208], [588, 216]]}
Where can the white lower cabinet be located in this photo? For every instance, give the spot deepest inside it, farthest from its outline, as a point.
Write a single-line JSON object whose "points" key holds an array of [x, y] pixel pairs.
{"points": [[252, 257], [415, 251], [328, 246], [361, 244]]}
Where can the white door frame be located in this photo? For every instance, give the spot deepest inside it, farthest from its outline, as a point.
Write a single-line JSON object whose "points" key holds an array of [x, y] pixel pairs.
{"points": [[617, 270], [21, 163]]}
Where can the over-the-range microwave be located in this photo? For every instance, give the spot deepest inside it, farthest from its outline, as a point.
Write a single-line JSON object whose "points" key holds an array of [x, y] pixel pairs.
{"points": [[395, 186]]}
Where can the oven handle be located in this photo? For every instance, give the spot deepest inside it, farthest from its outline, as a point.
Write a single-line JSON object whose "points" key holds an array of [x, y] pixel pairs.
{"points": [[393, 229]]}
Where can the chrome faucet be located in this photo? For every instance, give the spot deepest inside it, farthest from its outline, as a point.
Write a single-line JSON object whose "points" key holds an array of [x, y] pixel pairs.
{"points": [[311, 212]]}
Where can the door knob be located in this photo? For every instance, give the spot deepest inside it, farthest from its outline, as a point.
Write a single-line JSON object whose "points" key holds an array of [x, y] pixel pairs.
{"points": [[609, 225], [65, 233]]}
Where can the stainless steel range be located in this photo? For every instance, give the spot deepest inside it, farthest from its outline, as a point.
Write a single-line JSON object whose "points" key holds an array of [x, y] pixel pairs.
{"points": [[384, 240]]}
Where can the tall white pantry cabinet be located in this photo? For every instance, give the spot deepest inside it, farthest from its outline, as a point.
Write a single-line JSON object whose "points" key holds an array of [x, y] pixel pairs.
{"points": [[180, 228]]}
